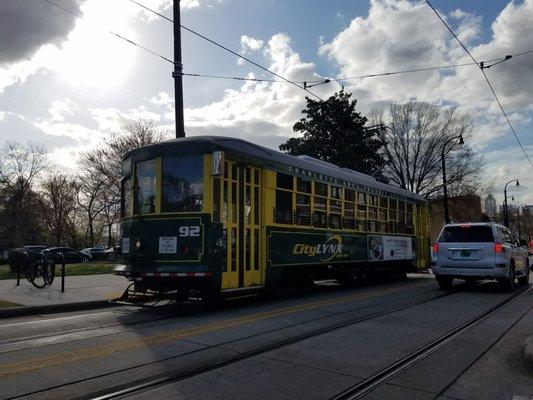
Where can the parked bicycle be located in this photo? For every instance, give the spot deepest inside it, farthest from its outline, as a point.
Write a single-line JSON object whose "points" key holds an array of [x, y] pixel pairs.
{"points": [[38, 269]]}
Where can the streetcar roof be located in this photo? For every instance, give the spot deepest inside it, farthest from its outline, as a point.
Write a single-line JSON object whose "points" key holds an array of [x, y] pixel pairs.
{"points": [[264, 156]]}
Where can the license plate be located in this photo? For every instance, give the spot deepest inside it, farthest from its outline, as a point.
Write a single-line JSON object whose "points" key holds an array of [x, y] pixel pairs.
{"points": [[465, 254]]}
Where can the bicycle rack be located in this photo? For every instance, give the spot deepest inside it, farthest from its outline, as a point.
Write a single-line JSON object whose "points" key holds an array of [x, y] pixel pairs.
{"points": [[28, 263]]}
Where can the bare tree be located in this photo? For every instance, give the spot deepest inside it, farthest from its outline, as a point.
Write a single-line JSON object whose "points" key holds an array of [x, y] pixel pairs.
{"points": [[20, 166], [101, 188], [413, 141], [90, 186], [58, 202]]}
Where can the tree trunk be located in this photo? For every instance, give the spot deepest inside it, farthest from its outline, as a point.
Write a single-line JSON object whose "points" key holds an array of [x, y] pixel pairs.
{"points": [[109, 240]]}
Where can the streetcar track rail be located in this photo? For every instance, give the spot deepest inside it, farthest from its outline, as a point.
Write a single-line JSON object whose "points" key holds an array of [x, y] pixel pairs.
{"points": [[170, 378], [167, 378], [158, 322], [379, 378]]}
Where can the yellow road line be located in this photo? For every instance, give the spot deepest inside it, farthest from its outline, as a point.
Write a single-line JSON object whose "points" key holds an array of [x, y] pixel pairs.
{"points": [[105, 350]]}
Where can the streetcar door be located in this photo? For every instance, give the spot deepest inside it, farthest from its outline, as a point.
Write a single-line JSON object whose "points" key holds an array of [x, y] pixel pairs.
{"points": [[240, 192]]}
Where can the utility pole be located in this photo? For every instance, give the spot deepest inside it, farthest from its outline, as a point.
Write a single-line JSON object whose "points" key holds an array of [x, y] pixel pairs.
{"points": [[177, 73]]}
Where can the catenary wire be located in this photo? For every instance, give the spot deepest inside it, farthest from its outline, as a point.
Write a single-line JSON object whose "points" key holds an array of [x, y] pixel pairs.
{"points": [[498, 60], [111, 32], [452, 32], [226, 48], [488, 82], [501, 59]]}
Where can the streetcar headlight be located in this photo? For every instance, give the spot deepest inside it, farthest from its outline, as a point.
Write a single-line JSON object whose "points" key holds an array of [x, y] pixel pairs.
{"points": [[137, 244]]}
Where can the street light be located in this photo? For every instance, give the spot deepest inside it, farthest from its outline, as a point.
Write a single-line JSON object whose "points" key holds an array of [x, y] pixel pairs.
{"points": [[445, 189], [505, 215]]}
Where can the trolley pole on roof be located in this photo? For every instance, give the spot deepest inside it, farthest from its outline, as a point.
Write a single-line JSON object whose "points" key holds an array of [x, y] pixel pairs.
{"points": [[177, 73]]}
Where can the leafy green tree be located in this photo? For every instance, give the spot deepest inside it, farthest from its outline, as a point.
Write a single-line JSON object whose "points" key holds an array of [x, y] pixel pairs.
{"points": [[334, 131]]}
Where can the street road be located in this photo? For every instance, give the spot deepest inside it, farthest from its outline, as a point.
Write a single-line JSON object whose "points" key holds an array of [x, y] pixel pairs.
{"points": [[312, 346]]}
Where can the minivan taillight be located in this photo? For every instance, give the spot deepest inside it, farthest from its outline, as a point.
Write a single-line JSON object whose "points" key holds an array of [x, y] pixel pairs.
{"points": [[498, 248], [435, 247]]}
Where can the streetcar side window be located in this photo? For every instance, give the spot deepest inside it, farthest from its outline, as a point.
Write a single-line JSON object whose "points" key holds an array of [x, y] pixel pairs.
{"points": [[182, 179], [145, 187], [284, 181]]}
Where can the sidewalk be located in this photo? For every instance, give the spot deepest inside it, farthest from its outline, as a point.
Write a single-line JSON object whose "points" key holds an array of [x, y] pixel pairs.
{"points": [[83, 291]]}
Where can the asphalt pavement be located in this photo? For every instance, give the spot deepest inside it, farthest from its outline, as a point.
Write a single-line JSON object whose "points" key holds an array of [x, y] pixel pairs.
{"points": [[300, 347]]}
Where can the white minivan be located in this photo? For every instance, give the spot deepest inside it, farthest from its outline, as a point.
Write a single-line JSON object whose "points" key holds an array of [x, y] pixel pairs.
{"points": [[476, 251]]}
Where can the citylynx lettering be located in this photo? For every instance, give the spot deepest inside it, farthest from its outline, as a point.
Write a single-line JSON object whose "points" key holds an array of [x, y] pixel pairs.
{"points": [[326, 251], [311, 251]]}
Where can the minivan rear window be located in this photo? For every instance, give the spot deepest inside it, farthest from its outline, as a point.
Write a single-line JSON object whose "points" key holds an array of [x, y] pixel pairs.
{"points": [[467, 233]]}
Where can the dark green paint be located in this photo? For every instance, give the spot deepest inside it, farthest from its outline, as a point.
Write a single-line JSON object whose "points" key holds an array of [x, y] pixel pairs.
{"points": [[299, 248]]}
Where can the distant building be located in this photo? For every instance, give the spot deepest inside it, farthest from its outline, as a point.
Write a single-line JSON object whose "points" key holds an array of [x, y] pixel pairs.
{"points": [[490, 207]]}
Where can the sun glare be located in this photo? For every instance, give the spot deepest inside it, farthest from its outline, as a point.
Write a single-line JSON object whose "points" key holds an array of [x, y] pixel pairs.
{"points": [[91, 56]]}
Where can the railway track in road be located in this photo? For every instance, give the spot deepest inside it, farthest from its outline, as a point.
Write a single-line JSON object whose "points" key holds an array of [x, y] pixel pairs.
{"points": [[170, 313], [407, 301], [152, 382], [364, 387], [117, 394]]}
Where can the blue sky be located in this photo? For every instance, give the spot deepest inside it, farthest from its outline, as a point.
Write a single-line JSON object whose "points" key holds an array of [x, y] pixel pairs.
{"points": [[69, 86]]}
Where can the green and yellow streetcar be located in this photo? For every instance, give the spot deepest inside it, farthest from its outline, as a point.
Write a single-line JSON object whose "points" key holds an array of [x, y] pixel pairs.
{"points": [[226, 216]]}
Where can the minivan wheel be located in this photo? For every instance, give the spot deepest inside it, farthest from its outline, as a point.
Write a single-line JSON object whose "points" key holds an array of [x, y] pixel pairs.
{"points": [[510, 282], [445, 283], [524, 280]]}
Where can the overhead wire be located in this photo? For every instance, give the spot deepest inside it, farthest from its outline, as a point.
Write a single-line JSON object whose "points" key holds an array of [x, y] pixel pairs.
{"points": [[111, 32], [284, 80], [498, 60], [226, 48], [481, 67]]}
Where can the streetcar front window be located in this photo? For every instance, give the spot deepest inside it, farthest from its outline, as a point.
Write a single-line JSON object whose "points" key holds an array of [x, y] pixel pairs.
{"points": [[145, 187], [127, 193], [183, 189], [126, 197]]}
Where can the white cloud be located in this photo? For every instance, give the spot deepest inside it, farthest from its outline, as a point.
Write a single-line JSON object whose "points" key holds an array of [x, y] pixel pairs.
{"points": [[259, 111], [190, 4], [402, 35], [111, 119], [74, 131], [90, 56], [162, 99], [507, 164], [250, 44], [61, 107]]}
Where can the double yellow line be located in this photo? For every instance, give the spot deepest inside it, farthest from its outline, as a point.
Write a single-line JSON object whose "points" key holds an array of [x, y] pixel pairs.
{"points": [[83, 354]]}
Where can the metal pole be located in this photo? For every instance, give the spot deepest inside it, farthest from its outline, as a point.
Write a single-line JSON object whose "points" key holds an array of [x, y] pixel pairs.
{"points": [[445, 189], [177, 74], [505, 216], [518, 221], [62, 272], [18, 269]]}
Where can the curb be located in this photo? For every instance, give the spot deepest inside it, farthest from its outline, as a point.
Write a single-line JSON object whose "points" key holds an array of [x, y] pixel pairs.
{"points": [[527, 351], [55, 308]]}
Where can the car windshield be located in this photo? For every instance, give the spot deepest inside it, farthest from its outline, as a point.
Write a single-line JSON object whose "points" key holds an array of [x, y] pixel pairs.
{"points": [[467, 233]]}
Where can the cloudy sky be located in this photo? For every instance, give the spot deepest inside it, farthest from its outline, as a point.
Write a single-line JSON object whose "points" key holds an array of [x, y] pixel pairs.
{"points": [[66, 83]]}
